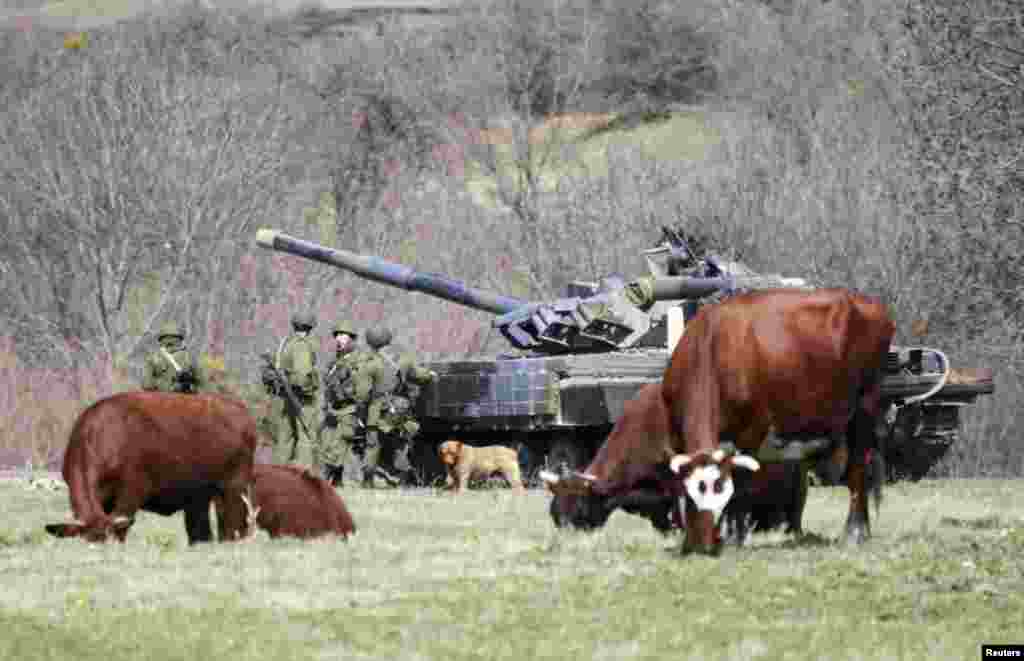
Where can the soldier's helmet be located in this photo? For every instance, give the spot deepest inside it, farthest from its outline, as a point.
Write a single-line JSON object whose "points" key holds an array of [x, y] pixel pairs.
{"points": [[378, 337], [170, 329], [301, 320], [346, 328]]}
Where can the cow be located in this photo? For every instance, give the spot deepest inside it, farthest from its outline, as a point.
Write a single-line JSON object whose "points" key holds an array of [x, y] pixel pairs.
{"points": [[163, 453], [792, 363], [632, 471], [627, 471], [291, 501]]}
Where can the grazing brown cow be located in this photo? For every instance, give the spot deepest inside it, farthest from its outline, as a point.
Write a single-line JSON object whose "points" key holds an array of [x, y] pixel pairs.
{"points": [[799, 363], [162, 453], [291, 501], [465, 462], [631, 471]]}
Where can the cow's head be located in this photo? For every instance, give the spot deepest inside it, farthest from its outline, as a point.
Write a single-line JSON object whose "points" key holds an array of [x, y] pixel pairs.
{"points": [[115, 527], [707, 487], [574, 503]]}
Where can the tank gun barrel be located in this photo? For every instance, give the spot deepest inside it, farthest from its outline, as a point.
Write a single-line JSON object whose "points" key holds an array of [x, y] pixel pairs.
{"points": [[390, 273], [678, 287], [673, 288]]}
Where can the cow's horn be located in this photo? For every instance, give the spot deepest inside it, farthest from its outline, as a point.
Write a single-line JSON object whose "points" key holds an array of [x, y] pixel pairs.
{"points": [[746, 461], [588, 477], [718, 455], [120, 520], [677, 462], [548, 477]]}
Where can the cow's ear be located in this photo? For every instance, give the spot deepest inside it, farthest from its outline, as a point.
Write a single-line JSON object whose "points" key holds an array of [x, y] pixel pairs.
{"points": [[677, 463], [121, 523], [745, 461], [550, 480], [65, 529]]}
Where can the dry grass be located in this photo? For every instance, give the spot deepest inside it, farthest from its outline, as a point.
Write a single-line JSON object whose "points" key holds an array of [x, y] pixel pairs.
{"points": [[485, 576]]}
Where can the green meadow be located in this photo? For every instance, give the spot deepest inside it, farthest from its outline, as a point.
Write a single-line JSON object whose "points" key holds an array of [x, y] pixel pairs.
{"points": [[486, 576]]}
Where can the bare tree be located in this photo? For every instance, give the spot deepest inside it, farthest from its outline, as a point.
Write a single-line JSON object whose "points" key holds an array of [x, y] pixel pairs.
{"points": [[124, 188]]}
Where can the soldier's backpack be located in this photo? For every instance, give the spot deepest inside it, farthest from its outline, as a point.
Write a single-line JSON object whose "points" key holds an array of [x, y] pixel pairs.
{"points": [[297, 359], [391, 386]]}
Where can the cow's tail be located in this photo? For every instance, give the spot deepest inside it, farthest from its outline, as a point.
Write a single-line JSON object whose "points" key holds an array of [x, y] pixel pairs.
{"points": [[878, 468], [869, 439], [82, 479]]}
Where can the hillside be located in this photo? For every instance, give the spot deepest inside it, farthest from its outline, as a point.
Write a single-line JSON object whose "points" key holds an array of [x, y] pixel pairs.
{"points": [[867, 144]]}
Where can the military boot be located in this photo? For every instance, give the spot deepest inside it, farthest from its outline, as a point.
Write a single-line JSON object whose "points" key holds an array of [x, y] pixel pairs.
{"points": [[335, 474], [388, 477]]}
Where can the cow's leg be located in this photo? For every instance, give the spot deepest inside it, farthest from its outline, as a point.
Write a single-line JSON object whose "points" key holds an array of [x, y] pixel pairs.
{"points": [[795, 514], [702, 535], [858, 527], [741, 508], [677, 516], [861, 438], [737, 523], [218, 507], [197, 521]]}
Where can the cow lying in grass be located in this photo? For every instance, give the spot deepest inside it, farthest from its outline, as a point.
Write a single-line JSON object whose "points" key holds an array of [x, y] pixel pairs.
{"points": [[289, 501]]}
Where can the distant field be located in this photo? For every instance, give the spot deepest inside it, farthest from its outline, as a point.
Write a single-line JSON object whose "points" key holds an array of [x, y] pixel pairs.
{"points": [[486, 577], [91, 13], [682, 136]]}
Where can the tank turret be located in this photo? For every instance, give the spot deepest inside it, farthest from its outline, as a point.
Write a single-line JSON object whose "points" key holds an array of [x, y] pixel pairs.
{"points": [[614, 315]]}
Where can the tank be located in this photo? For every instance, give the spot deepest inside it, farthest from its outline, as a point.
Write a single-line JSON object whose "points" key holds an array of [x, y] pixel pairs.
{"points": [[578, 359]]}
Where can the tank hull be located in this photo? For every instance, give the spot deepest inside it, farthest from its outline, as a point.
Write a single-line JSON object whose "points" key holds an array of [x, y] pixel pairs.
{"points": [[564, 406]]}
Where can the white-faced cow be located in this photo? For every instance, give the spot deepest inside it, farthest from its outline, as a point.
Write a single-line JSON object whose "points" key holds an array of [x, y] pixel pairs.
{"points": [[796, 363], [162, 453]]}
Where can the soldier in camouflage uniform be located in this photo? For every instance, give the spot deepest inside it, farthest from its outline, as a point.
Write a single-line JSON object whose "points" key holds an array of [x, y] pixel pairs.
{"points": [[172, 367], [344, 423], [390, 421], [296, 361]]}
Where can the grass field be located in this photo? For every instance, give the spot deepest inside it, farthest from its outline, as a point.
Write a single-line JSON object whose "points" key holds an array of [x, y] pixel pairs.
{"points": [[485, 576]]}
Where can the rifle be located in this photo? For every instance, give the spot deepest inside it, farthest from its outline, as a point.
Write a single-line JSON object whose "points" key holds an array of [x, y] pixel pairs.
{"points": [[282, 384], [184, 377], [399, 374]]}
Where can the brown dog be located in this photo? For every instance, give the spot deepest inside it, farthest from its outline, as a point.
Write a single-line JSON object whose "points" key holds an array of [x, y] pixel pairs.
{"points": [[465, 462]]}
